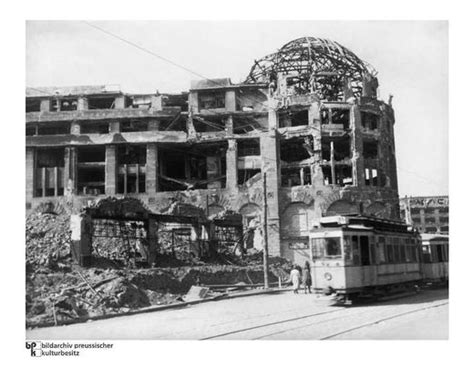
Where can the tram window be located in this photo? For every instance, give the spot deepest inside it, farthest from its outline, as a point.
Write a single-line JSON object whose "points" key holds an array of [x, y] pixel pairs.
{"points": [[403, 255], [317, 248], [327, 247], [355, 250], [381, 251], [390, 253], [396, 250], [426, 254], [439, 252], [333, 247], [347, 249], [364, 250]]}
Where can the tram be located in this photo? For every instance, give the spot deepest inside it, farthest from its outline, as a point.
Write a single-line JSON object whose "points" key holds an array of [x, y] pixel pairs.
{"points": [[356, 256], [435, 248]]}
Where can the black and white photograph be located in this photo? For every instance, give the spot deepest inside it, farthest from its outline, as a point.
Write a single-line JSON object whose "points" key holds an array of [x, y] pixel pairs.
{"points": [[237, 189], [281, 195]]}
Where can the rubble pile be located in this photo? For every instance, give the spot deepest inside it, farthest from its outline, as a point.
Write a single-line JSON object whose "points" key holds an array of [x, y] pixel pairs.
{"points": [[47, 240], [59, 291]]}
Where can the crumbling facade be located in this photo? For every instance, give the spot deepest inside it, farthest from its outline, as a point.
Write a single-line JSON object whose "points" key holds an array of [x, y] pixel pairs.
{"points": [[307, 117]]}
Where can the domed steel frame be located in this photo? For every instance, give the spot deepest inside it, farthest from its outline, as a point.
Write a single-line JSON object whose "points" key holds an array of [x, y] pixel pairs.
{"points": [[314, 65]]}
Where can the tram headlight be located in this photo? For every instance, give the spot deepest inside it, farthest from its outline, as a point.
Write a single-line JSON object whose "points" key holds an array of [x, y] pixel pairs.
{"points": [[328, 276]]}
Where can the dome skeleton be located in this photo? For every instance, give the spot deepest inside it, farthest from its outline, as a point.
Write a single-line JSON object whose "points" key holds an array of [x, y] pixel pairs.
{"points": [[314, 65]]}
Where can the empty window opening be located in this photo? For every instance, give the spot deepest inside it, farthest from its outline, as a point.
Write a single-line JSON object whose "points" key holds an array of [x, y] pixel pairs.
{"points": [[101, 102], [33, 105], [179, 100], [342, 173], [94, 128], [133, 125], [129, 182], [202, 167], [338, 118], [296, 149], [293, 118], [69, 104], [203, 126], [248, 176], [244, 125], [369, 121], [370, 149], [91, 170], [248, 147], [54, 128], [371, 176], [131, 154], [295, 176], [49, 172], [211, 100], [131, 169], [341, 147]]}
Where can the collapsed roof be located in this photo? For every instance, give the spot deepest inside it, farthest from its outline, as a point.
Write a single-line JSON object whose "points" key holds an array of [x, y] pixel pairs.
{"points": [[315, 65]]}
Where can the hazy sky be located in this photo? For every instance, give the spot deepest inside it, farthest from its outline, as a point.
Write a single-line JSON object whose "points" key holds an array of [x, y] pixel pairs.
{"points": [[411, 58]]}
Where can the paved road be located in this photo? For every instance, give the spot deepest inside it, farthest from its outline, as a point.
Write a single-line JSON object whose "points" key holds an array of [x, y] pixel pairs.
{"points": [[284, 316]]}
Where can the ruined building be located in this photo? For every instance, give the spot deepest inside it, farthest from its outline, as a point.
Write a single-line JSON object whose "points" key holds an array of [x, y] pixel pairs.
{"points": [[427, 214], [307, 116]]}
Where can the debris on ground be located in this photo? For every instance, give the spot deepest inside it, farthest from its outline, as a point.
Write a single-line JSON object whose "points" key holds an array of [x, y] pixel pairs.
{"points": [[58, 291]]}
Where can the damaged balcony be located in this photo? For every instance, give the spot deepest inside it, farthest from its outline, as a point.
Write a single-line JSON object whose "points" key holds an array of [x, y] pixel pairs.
{"points": [[200, 166]]}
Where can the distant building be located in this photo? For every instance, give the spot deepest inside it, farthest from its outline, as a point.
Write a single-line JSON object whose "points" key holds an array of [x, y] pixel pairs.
{"points": [[427, 214]]}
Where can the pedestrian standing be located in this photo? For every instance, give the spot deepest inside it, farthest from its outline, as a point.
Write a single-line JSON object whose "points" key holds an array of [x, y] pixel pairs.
{"points": [[307, 282], [295, 279]]}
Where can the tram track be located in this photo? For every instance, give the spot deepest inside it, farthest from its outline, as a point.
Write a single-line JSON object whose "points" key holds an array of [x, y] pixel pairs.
{"points": [[368, 324], [271, 324], [364, 311]]}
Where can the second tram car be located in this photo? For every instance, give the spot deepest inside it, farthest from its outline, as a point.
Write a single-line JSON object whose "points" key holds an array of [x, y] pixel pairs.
{"points": [[435, 249], [356, 256]]}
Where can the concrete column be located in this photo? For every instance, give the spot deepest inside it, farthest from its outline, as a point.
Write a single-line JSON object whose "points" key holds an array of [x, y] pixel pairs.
{"points": [[270, 165], [75, 128], [157, 103], [114, 127], [229, 125], [358, 168], [70, 171], [230, 101], [45, 105], [82, 103], [81, 239], [151, 168], [193, 102], [231, 165], [120, 102], [110, 170], [30, 173]]}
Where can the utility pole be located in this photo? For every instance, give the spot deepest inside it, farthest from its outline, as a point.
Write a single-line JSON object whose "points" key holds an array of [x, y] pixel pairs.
{"points": [[265, 233]]}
